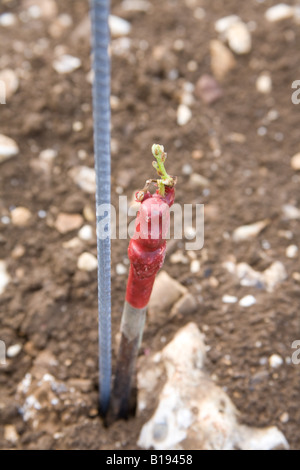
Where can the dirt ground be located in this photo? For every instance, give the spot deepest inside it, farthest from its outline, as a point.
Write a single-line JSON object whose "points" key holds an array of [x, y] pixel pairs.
{"points": [[50, 306]]}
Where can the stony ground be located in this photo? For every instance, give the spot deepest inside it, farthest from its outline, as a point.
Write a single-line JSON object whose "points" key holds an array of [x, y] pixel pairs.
{"points": [[218, 96]]}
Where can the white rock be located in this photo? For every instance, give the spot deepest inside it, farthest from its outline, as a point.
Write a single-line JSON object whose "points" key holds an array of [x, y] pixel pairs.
{"points": [[42, 9], [68, 222], [118, 26], [48, 155], [166, 291], [229, 299], [295, 162], [184, 115], [284, 418], [239, 38], [178, 257], [121, 269], [267, 279], [274, 275], [14, 350], [4, 277], [86, 233], [223, 24], [222, 59], [11, 82], [8, 19], [292, 251], [8, 148], [264, 83], [10, 434], [247, 301], [187, 169], [87, 262], [20, 216], [275, 361], [174, 424], [291, 212], [195, 266], [247, 232], [66, 64], [136, 5], [73, 243], [197, 181], [279, 12], [85, 178]]}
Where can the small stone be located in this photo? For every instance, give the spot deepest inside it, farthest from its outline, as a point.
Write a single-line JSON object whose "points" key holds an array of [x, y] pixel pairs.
{"points": [[197, 154], [284, 418], [291, 212], [121, 269], [292, 251], [184, 115], [275, 361], [197, 181], [89, 214], [59, 25], [73, 243], [279, 12], [8, 148], [229, 299], [42, 8], [85, 178], [247, 232], [136, 5], [20, 216], [77, 126], [187, 169], [247, 301], [178, 257], [166, 291], [118, 26], [14, 350], [208, 89], [264, 83], [195, 266], [187, 305], [223, 24], [288, 234], [84, 385], [296, 276], [8, 19], [87, 262], [66, 64], [222, 59], [11, 82], [4, 277], [239, 38], [10, 434], [18, 252], [237, 137], [295, 162], [93, 413], [68, 222], [86, 233], [48, 155]]}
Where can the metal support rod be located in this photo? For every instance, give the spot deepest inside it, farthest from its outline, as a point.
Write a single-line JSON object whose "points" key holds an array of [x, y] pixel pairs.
{"points": [[101, 101]]}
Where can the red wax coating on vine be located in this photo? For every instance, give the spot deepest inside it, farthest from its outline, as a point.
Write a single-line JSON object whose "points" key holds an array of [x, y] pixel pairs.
{"points": [[147, 248]]}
